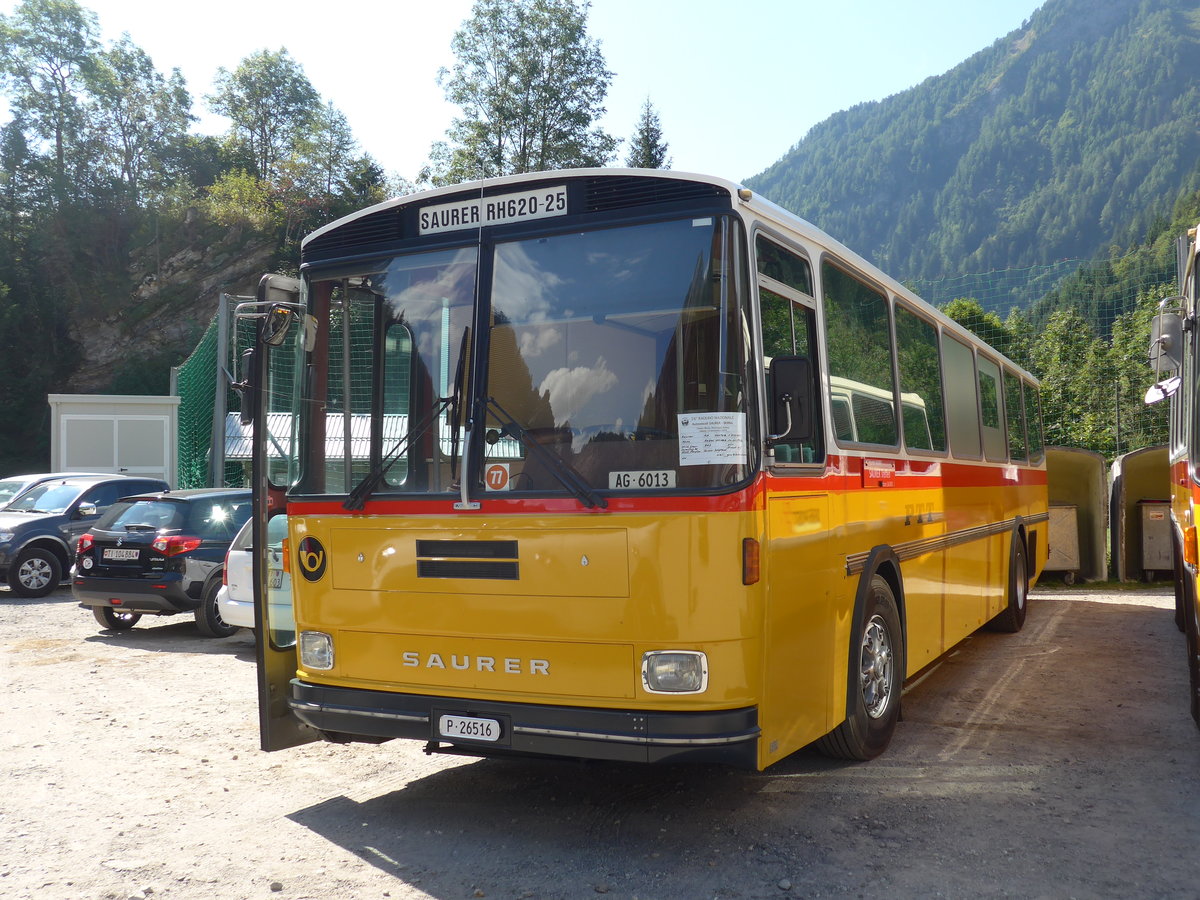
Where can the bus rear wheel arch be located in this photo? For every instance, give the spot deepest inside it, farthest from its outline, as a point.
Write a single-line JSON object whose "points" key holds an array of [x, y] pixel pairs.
{"points": [[877, 669]]}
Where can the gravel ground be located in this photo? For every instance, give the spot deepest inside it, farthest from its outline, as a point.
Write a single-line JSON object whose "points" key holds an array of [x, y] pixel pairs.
{"points": [[1058, 762]]}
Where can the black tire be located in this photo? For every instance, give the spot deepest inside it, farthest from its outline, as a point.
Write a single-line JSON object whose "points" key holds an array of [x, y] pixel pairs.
{"points": [[115, 619], [208, 614], [1180, 573], [1012, 618], [34, 573], [878, 658], [1192, 635]]}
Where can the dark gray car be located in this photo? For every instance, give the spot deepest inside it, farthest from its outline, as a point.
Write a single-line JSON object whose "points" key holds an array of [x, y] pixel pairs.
{"points": [[39, 529]]}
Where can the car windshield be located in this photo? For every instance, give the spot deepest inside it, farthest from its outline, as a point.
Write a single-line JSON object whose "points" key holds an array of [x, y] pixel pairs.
{"points": [[48, 498]]}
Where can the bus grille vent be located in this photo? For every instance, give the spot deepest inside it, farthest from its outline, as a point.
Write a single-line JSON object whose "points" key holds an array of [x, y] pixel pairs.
{"points": [[377, 228], [618, 193], [468, 559]]}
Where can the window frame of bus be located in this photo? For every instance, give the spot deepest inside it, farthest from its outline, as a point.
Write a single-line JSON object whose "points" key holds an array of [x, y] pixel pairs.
{"points": [[900, 305], [828, 259], [995, 437], [955, 430], [1033, 394], [1007, 375], [795, 296]]}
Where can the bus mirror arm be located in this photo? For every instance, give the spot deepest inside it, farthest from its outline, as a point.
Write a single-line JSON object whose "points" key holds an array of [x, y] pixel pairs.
{"points": [[245, 388], [772, 439]]}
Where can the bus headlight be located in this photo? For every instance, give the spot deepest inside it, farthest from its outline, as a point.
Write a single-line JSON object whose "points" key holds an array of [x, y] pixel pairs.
{"points": [[316, 650], [674, 671]]}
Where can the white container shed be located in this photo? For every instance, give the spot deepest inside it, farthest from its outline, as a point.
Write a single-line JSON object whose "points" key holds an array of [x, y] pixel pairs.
{"points": [[118, 433]]}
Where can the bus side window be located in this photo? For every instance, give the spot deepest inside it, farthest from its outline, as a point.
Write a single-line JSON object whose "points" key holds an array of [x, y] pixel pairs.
{"points": [[995, 445], [788, 329], [1033, 422], [962, 398], [858, 341], [1014, 409], [921, 400]]}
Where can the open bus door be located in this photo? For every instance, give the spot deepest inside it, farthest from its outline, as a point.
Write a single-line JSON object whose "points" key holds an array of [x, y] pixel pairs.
{"points": [[279, 313]]}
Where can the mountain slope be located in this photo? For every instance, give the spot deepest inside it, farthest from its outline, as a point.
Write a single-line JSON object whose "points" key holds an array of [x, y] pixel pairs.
{"points": [[1068, 135]]}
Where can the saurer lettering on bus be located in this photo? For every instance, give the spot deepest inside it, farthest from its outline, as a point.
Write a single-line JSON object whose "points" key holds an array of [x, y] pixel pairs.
{"points": [[510, 665]]}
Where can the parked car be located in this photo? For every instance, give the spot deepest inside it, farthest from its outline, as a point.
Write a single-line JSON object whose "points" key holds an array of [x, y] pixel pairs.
{"points": [[39, 529], [236, 597], [15, 485], [160, 554]]}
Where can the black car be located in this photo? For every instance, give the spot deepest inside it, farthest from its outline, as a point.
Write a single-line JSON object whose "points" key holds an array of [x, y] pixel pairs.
{"points": [[39, 529], [160, 554]]}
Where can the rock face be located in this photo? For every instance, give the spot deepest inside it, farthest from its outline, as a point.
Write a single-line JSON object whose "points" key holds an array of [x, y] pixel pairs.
{"points": [[173, 298]]}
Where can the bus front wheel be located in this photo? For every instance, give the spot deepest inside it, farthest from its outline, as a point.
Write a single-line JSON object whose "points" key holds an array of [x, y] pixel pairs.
{"points": [[877, 663]]}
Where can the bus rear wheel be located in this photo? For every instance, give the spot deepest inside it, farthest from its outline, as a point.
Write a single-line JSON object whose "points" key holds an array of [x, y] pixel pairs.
{"points": [[1192, 641], [1012, 617], [878, 666]]}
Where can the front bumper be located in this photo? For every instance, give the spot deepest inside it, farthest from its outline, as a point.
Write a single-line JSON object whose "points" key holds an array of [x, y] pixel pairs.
{"points": [[728, 737], [165, 594]]}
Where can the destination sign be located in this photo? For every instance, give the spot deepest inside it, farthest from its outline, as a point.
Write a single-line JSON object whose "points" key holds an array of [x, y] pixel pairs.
{"points": [[482, 212]]}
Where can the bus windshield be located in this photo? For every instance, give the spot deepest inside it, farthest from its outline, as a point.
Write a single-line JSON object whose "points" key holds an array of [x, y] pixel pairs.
{"points": [[614, 359]]}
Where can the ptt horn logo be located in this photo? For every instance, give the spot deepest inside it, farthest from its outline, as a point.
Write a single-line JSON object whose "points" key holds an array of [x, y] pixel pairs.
{"points": [[311, 557]]}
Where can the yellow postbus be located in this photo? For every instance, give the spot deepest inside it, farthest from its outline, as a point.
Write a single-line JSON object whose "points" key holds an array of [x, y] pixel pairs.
{"points": [[1175, 354], [625, 465]]}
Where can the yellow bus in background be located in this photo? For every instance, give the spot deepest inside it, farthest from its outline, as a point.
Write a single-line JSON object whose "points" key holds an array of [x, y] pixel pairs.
{"points": [[625, 465], [1174, 353]]}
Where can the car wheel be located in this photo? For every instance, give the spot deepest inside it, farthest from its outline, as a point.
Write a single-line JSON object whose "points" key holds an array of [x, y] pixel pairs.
{"points": [[35, 573], [115, 619], [208, 613]]}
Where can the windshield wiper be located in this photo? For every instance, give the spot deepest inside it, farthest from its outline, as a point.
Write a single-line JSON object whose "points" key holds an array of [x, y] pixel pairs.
{"points": [[456, 402], [565, 474], [365, 488]]}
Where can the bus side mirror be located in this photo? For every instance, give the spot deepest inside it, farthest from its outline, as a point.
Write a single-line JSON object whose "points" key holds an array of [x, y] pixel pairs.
{"points": [[1166, 341], [282, 292], [792, 399]]}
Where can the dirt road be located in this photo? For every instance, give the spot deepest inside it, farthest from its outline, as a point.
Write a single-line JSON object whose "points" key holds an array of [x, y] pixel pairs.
{"points": [[1059, 762]]}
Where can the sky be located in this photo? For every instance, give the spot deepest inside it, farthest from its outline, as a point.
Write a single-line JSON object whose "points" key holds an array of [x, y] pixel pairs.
{"points": [[734, 92]]}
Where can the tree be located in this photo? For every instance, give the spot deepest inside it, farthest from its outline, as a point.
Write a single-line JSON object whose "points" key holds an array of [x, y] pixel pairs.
{"points": [[46, 48], [647, 149], [270, 101], [139, 113], [530, 84], [330, 148]]}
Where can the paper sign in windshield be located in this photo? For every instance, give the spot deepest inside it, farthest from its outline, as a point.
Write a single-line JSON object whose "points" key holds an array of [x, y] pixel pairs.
{"points": [[712, 439]]}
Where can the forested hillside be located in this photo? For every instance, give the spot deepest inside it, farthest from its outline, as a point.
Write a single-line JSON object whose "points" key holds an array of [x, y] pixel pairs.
{"points": [[1072, 134]]}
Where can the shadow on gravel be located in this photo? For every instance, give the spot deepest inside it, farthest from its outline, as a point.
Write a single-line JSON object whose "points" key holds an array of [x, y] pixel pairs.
{"points": [[171, 635], [551, 828], [548, 828]]}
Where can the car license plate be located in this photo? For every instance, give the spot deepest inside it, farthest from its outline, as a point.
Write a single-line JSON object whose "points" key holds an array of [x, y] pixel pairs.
{"points": [[117, 553], [275, 581], [469, 727]]}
